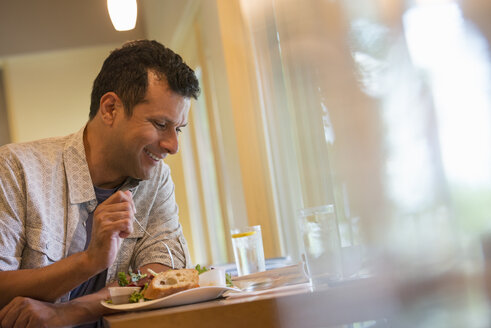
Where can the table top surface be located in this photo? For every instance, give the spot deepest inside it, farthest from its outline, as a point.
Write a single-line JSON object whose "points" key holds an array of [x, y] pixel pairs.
{"points": [[277, 302], [380, 298], [233, 300]]}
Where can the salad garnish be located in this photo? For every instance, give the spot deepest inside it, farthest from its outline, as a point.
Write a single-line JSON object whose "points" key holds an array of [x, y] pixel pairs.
{"points": [[137, 296], [228, 280], [153, 273], [134, 277], [201, 269], [122, 280]]}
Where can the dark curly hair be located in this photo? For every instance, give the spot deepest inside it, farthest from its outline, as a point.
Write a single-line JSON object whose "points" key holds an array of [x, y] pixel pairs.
{"points": [[125, 72]]}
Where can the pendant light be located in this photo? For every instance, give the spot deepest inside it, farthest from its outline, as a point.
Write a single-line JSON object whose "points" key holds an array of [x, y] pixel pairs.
{"points": [[123, 14]]}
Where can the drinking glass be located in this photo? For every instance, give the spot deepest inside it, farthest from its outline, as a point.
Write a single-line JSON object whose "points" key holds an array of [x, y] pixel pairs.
{"points": [[248, 250], [322, 244]]}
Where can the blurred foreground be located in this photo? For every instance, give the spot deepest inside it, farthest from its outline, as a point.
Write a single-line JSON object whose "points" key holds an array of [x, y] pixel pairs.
{"points": [[388, 104]]}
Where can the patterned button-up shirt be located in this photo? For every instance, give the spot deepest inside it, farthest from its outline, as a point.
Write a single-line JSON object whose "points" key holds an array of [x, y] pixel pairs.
{"points": [[46, 192]]}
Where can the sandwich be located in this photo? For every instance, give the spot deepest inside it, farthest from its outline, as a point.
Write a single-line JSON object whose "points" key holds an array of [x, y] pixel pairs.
{"points": [[170, 282]]}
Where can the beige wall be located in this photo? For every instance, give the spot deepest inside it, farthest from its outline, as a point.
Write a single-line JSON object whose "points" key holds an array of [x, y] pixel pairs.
{"points": [[168, 20], [48, 94]]}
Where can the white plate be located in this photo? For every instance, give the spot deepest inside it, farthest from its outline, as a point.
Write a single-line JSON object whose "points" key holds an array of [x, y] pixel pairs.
{"points": [[193, 295]]}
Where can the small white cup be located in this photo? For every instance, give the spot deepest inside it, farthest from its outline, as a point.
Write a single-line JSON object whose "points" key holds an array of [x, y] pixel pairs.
{"points": [[213, 277], [121, 295]]}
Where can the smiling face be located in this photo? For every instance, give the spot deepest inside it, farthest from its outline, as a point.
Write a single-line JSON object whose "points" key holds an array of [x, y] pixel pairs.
{"points": [[139, 142]]}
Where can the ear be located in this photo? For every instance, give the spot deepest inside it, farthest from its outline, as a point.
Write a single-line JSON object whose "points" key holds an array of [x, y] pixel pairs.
{"points": [[109, 107]]}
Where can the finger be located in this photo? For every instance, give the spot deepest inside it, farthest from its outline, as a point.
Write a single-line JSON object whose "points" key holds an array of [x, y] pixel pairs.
{"points": [[33, 322], [3, 313], [7, 316], [122, 227], [10, 313], [118, 207], [130, 195], [22, 320], [124, 235], [114, 216], [126, 227], [118, 197]]}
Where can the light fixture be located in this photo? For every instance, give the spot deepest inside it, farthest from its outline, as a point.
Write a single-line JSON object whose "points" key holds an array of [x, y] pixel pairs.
{"points": [[123, 14]]}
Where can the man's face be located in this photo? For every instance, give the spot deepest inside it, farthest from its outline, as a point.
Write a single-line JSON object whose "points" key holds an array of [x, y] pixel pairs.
{"points": [[151, 133]]}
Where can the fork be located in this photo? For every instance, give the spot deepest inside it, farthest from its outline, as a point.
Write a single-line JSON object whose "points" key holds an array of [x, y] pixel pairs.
{"points": [[151, 238]]}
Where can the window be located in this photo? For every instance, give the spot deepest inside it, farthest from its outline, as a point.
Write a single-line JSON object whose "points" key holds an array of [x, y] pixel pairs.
{"points": [[337, 102], [382, 109]]}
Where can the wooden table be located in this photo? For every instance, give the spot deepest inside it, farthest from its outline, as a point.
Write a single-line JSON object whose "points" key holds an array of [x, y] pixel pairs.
{"points": [[291, 307]]}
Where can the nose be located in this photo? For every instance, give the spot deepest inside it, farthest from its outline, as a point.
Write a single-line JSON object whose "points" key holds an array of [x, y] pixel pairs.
{"points": [[169, 142]]}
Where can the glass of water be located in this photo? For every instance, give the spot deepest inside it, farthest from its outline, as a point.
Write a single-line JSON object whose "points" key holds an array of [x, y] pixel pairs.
{"points": [[322, 244], [248, 250]]}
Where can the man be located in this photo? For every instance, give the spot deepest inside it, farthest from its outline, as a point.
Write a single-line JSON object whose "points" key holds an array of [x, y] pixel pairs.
{"points": [[68, 205]]}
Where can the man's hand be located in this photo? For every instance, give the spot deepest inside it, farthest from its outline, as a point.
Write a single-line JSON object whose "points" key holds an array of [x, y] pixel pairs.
{"points": [[113, 220], [27, 312]]}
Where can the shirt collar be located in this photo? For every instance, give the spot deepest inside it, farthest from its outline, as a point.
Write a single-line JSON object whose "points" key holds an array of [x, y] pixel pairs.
{"points": [[130, 184], [80, 187]]}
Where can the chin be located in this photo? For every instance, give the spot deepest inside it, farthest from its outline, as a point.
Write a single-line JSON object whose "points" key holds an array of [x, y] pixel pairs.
{"points": [[145, 175]]}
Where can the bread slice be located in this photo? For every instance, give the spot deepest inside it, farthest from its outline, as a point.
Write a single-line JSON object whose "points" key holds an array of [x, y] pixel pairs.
{"points": [[170, 282]]}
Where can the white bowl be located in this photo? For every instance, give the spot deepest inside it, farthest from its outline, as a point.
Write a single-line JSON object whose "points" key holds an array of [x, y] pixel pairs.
{"points": [[121, 295], [213, 277]]}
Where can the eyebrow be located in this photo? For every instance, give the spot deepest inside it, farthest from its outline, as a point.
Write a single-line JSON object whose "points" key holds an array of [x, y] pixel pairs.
{"points": [[167, 120]]}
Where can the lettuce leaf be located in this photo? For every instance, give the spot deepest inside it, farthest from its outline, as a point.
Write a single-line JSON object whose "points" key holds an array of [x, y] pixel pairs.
{"points": [[228, 279], [201, 269], [135, 297], [122, 280]]}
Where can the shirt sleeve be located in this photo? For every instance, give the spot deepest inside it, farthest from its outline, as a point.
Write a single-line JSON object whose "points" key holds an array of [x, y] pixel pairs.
{"points": [[165, 229], [12, 212]]}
